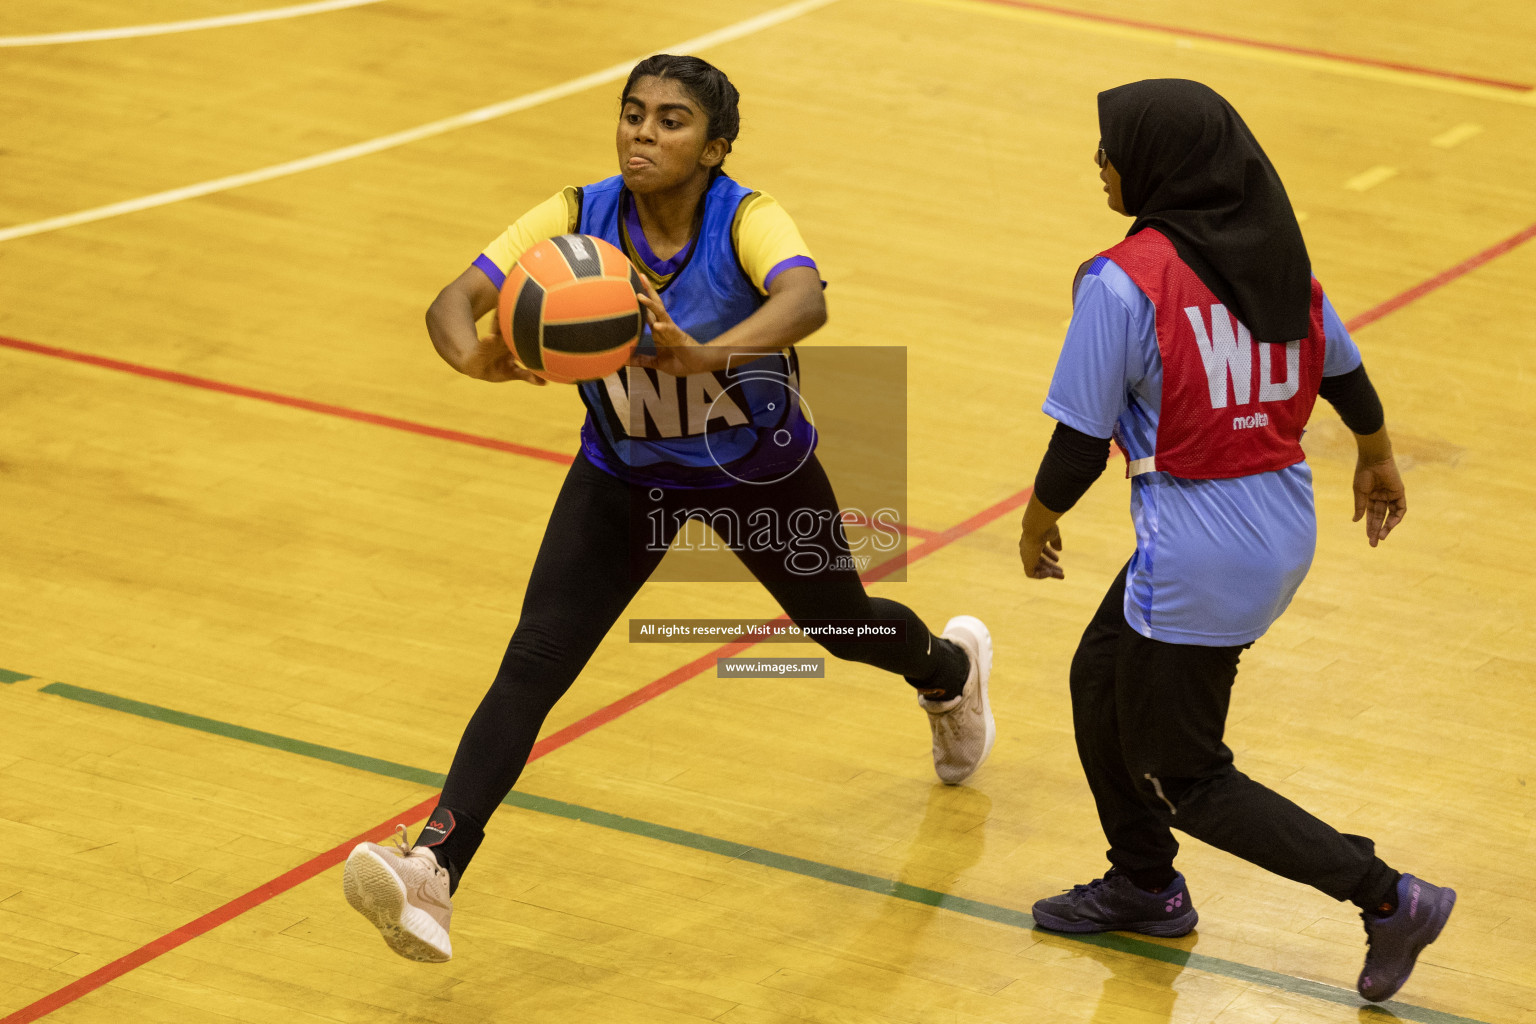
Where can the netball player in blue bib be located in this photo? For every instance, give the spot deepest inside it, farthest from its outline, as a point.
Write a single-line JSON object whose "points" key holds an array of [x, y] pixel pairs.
{"points": [[689, 430], [1200, 344]]}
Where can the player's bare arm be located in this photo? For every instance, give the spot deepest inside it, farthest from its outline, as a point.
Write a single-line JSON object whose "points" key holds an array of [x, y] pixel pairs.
{"points": [[451, 321]]}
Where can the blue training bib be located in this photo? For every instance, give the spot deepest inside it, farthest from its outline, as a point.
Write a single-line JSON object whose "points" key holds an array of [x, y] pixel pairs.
{"points": [[707, 429]]}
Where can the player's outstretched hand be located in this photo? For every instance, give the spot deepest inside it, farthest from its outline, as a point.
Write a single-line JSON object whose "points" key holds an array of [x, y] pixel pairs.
{"points": [[1379, 497], [1041, 556], [494, 361], [676, 351]]}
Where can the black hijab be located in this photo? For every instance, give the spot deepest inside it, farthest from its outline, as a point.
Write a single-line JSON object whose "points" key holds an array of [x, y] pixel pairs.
{"points": [[1190, 168]]}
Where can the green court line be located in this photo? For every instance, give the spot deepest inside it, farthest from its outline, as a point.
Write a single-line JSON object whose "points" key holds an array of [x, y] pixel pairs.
{"points": [[12, 677], [239, 732], [768, 858]]}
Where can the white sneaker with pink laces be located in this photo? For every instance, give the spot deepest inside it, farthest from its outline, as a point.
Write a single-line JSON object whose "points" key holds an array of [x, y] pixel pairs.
{"points": [[963, 727], [403, 891]]}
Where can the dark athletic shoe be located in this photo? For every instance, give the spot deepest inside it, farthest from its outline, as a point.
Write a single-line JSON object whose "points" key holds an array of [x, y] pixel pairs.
{"points": [[1114, 904], [1393, 943]]}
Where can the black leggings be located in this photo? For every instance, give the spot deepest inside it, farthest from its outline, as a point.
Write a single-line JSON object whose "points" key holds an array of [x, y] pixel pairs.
{"points": [[1149, 718], [600, 546]]}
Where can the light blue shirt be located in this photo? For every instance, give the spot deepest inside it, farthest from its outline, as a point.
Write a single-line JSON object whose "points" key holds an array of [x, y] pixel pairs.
{"points": [[1216, 561]]}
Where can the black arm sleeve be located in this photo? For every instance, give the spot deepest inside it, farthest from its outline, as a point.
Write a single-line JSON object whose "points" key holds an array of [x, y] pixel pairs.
{"points": [[1354, 398], [1073, 461]]}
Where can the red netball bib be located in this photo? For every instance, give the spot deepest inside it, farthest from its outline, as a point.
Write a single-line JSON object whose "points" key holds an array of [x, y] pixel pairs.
{"points": [[1231, 406]]}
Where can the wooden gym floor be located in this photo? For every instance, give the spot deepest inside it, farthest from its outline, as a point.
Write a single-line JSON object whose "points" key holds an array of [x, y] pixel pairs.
{"points": [[260, 550]]}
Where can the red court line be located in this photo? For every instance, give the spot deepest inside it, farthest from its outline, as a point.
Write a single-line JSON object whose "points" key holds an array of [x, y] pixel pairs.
{"points": [[919, 532], [192, 929], [173, 377], [329, 859], [947, 537], [646, 693], [678, 676], [1442, 279], [206, 384], [1259, 44]]}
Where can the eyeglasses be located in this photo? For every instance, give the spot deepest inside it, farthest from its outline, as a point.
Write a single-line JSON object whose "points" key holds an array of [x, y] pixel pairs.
{"points": [[1101, 158]]}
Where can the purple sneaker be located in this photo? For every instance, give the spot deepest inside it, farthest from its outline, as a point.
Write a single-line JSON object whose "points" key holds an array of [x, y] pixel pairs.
{"points": [[1393, 943], [1114, 904]]}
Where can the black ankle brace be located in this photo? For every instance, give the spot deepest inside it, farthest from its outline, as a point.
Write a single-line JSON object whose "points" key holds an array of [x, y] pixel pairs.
{"points": [[453, 839]]}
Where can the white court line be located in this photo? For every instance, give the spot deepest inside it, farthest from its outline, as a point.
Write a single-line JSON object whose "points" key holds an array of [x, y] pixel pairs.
{"points": [[613, 73], [166, 28]]}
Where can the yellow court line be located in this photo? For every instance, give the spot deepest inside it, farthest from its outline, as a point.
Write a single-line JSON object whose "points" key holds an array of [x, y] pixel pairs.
{"points": [[1301, 61]]}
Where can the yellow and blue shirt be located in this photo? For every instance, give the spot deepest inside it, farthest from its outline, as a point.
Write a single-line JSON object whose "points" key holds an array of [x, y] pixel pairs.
{"points": [[766, 240], [702, 430]]}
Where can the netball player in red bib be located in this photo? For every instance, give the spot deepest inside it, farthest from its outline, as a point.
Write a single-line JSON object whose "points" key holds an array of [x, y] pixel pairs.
{"points": [[1200, 344], [676, 435]]}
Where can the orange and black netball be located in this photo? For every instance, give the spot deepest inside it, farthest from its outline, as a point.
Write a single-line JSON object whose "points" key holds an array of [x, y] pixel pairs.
{"points": [[568, 309]]}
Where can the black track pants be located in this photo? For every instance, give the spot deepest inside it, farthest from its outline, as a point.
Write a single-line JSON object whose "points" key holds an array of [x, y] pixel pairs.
{"points": [[1149, 719], [598, 549]]}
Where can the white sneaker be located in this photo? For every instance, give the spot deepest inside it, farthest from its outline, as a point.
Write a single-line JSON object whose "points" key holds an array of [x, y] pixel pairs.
{"points": [[403, 891], [963, 728]]}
